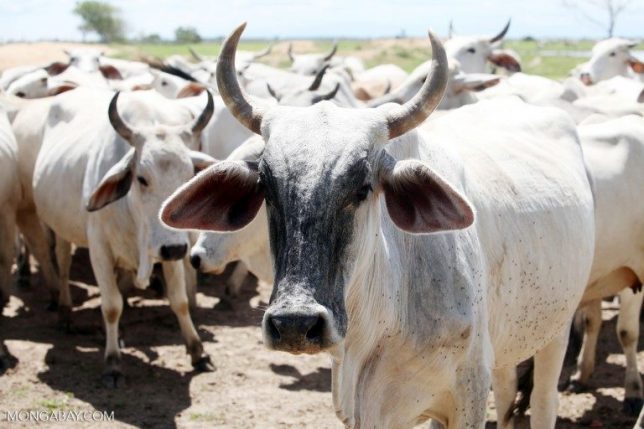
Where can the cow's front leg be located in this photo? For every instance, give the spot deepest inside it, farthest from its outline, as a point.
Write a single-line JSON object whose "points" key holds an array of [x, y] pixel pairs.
{"points": [[112, 308], [547, 367], [470, 398], [175, 281], [628, 332], [504, 382]]}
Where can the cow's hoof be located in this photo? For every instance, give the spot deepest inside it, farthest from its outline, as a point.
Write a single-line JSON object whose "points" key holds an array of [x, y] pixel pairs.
{"points": [[576, 387], [204, 364], [7, 361], [113, 379], [65, 320], [53, 305], [632, 406]]}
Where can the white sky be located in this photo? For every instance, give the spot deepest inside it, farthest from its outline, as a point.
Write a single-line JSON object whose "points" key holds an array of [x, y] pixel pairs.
{"points": [[52, 19]]}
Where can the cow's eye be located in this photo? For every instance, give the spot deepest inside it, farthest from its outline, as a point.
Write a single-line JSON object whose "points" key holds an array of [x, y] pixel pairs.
{"points": [[471, 50], [164, 83], [363, 193], [612, 54], [142, 180]]}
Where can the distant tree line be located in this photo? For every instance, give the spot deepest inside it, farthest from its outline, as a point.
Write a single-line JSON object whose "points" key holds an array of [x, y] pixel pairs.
{"points": [[105, 20]]}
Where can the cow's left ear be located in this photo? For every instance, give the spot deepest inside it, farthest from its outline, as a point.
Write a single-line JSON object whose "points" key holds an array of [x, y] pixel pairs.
{"points": [[201, 161], [115, 184], [505, 60], [110, 72], [420, 201]]}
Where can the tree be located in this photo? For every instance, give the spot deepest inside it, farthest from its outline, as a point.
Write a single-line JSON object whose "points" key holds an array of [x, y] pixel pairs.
{"points": [[187, 35], [151, 38], [587, 8], [102, 19]]}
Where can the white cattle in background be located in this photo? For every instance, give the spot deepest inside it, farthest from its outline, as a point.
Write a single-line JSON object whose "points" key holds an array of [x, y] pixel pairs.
{"points": [[9, 199], [311, 64], [610, 58], [378, 81], [475, 53], [428, 263], [614, 154], [99, 181], [462, 88]]}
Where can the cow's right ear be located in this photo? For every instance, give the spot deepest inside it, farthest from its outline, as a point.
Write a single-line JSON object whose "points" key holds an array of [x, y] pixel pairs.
{"points": [[224, 197], [56, 68], [115, 184]]}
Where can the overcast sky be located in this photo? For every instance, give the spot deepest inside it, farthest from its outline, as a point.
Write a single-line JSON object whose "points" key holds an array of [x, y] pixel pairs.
{"points": [[53, 19]]}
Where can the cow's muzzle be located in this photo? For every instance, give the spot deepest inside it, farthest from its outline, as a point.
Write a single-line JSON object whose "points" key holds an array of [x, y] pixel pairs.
{"points": [[298, 331]]}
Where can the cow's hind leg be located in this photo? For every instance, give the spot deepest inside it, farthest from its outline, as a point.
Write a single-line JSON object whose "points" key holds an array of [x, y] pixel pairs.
{"points": [[64, 258], [628, 332], [175, 281], [547, 367], [586, 363], [23, 263], [112, 308], [40, 245]]}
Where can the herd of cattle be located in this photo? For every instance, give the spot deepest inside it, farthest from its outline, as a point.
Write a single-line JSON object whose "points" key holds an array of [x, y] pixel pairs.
{"points": [[429, 230]]}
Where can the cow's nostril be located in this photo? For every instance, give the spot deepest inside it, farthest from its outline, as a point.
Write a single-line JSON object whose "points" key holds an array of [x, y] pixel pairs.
{"points": [[173, 252], [195, 261], [316, 332], [273, 328]]}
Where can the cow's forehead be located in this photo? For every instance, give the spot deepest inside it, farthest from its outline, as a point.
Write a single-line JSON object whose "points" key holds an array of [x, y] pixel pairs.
{"points": [[321, 140]]}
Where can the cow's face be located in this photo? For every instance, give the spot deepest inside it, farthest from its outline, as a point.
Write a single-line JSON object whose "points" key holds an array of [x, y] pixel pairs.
{"points": [[158, 162], [473, 55], [213, 251], [86, 60], [321, 175], [610, 58]]}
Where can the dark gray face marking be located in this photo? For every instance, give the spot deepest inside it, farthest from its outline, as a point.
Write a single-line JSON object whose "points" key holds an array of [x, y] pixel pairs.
{"points": [[311, 223]]}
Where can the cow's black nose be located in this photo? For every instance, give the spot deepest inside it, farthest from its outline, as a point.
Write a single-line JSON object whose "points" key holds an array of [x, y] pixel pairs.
{"points": [[296, 332], [195, 261], [173, 252]]}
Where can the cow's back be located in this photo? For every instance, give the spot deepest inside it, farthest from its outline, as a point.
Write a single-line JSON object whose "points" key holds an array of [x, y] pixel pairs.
{"points": [[524, 174]]}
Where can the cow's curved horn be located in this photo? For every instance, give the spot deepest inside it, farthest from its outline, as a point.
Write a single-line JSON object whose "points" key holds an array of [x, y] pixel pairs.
{"points": [[263, 53], [289, 52], [271, 91], [117, 123], [412, 113], [203, 119], [502, 33], [333, 51], [330, 95], [318, 78], [195, 55], [246, 113]]}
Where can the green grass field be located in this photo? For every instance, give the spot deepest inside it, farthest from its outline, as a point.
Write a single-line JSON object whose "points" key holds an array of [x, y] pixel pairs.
{"points": [[407, 53]]}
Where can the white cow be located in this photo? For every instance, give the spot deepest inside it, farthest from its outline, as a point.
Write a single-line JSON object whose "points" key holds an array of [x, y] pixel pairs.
{"points": [[614, 153], [378, 81], [610, 58], [9, 199], [474, 53], [98, 182], [428, 263]]}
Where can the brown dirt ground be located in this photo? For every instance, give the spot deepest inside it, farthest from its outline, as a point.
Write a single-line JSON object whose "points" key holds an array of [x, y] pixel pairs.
{"points": [[17, 54], [252, 387]]}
